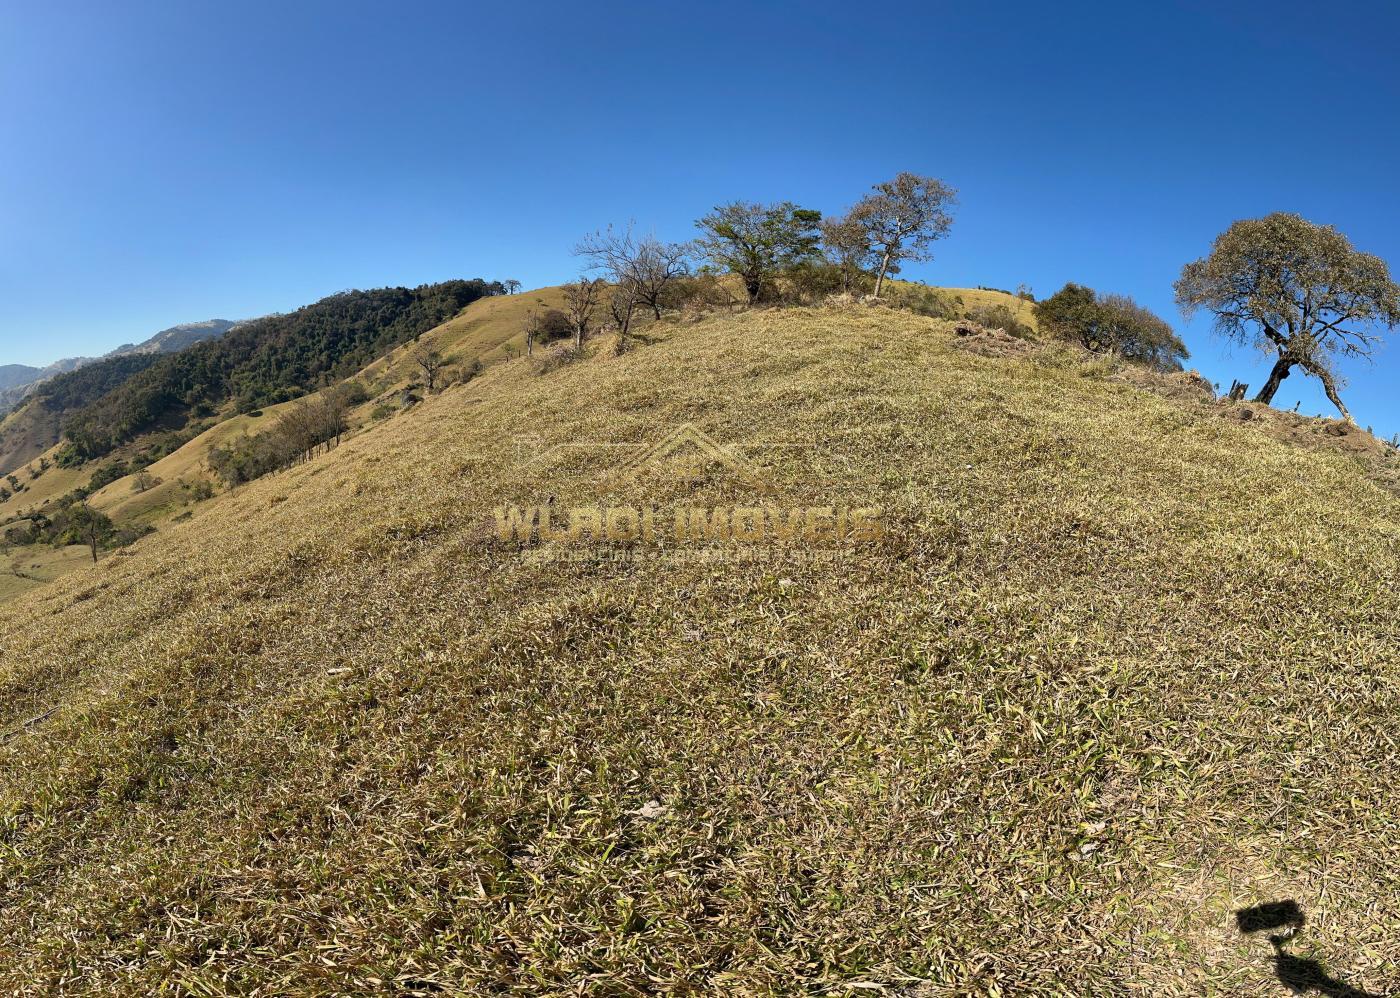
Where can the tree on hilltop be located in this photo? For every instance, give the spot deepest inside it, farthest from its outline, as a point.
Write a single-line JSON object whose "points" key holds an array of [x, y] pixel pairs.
{"points": [[1111, 323], [644, 268], [903, 218], [758, 241], [848, 249], [1298, 291]]}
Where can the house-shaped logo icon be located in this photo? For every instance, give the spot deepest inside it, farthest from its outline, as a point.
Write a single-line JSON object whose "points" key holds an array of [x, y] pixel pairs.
{"points": [[689, 450]]}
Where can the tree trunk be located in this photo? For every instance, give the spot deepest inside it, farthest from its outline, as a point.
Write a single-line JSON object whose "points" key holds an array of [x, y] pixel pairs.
{"points": [[1329, 385], [880, 279], [753, 285], [1281, 368]]}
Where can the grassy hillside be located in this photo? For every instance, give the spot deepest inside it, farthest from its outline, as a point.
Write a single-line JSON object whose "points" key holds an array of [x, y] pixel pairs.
{"points": [[1117, 668]]}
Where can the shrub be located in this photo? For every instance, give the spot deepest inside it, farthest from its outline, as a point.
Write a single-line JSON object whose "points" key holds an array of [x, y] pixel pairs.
{"points": [[1113, 323], [68, 456], [560, 356], [928, 301], [198, 490], [126, 536], [1000, 317], [699, 292], [107, 474], [809, 282]]}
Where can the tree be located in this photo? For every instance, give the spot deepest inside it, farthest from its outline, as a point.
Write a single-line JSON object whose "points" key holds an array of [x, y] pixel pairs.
{"points": [[1296, 290], [757, 241], [903, 218], [622, 303], [430, 361], [581, 300], [87, 526], [1072, 313], [847, 245], [1111, 323], [511, 285], [646, 267], [533, 324], [1140, 335], [144, 482]]}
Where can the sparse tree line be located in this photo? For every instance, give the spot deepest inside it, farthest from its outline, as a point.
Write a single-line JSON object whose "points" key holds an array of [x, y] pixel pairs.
{"points": [[1296, 290], [783, 253], [308, 428]]}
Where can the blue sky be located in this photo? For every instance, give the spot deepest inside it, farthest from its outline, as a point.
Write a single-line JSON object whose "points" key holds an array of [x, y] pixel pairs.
{"points": [[166, 162]]}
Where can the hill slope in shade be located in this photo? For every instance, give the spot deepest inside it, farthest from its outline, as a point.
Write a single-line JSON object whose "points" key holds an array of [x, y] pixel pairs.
{"points": [[1117, 668]]}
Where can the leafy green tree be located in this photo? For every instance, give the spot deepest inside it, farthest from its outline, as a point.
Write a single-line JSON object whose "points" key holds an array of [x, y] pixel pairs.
{"points": [[1296, 290], [903, 218], [1072, 313], [758, 241]]}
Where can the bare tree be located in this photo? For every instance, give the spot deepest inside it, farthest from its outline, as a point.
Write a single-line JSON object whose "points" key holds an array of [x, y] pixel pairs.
{"points": [[511, 285], [622, 303], [431, 362], [903, 218], [1296, 290], [581, 300], [646, 267]]}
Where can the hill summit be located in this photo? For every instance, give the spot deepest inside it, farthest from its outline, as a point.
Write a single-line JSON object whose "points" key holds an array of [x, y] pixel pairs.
{"points": [[982, 671]]}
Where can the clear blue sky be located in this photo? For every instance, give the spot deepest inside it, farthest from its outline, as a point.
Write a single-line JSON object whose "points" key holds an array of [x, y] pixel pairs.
{"points": [[165, 162]]}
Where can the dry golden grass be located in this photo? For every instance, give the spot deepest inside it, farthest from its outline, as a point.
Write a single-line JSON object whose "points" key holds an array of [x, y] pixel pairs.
{"points": [[38, 492], [1120, 667], [26, 568]]}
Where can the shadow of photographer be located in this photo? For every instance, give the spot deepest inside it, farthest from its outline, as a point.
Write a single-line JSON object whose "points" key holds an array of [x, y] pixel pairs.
{"points": [[1284, 920]]}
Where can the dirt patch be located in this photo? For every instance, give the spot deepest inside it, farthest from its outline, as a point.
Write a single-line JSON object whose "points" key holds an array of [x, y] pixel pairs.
{"points": [[986, 342]]}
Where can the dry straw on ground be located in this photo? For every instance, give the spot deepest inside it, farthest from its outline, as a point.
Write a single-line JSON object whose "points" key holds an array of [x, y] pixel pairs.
{"points": [[1120, 667]]}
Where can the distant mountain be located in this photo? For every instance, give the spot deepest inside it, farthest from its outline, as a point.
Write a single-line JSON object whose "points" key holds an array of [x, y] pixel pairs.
{"points": [[17, 375], [176, 338], [266, 361], [18, 381]]}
